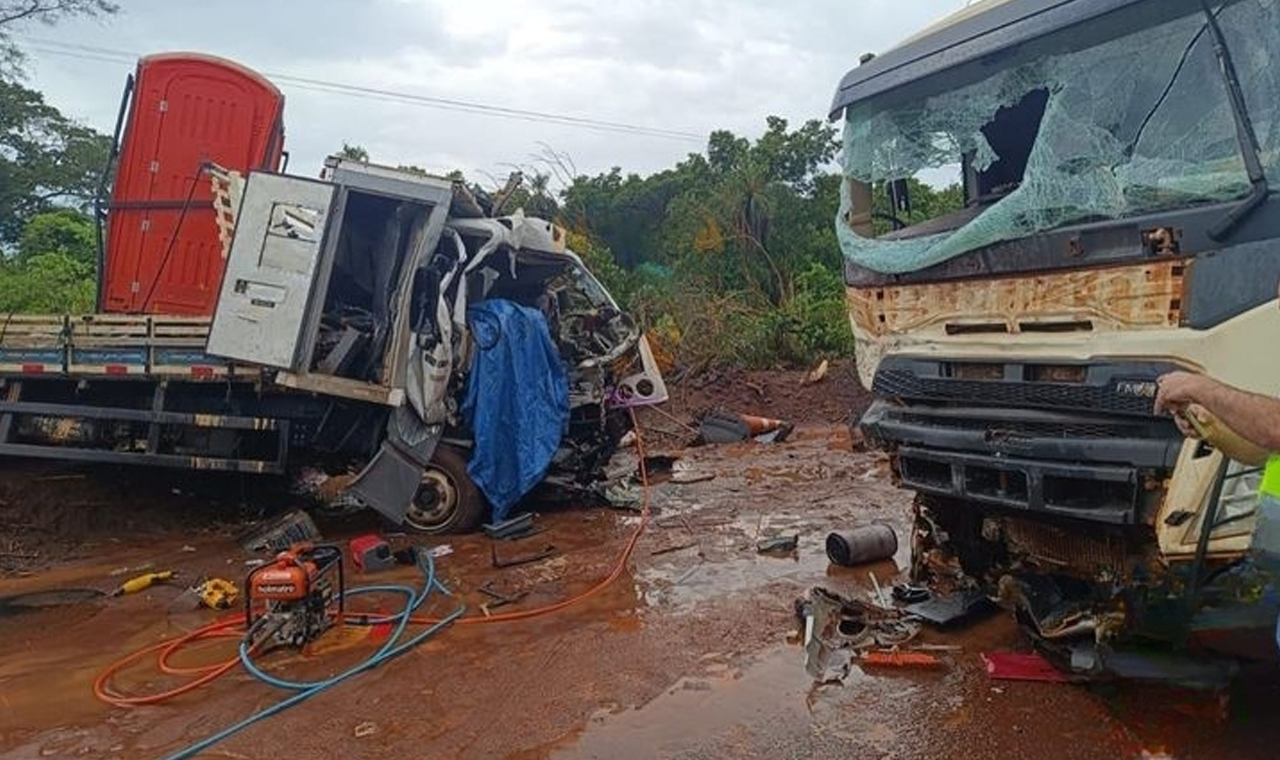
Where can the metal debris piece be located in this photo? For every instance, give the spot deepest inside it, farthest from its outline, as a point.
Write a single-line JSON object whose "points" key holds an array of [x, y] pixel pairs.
{"points": [[837, 628], [499, 599], [518, 525], [942, 611], [895, 658], [501, 563], [1018, 666], [673, 548], [778, 544], [367, 728]]}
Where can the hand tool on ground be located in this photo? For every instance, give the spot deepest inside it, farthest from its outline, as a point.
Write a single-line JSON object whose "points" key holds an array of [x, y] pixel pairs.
{"points": [[143, 582], [500, 563], [217, 593]]}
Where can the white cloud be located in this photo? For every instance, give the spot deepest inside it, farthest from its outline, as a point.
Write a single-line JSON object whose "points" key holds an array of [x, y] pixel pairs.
{"points": [[691, 66]]}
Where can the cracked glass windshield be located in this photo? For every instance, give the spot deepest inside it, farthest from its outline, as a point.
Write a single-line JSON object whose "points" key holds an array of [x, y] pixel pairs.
{"points": [[1138, 124]]}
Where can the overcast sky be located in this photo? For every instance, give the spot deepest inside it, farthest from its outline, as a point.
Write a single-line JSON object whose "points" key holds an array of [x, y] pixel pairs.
{"points": [[686, 65]]}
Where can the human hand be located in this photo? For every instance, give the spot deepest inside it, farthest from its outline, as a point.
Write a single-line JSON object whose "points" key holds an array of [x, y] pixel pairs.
{"points": [[1204, 421], [1178, 389]]}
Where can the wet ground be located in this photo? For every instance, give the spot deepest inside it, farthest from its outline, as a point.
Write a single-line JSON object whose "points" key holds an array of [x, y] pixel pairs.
{"points": [[690, 653]]}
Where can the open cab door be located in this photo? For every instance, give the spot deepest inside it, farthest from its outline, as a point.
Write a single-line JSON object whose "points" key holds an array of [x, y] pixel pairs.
{"points": [[271, 271], [320, 273]]}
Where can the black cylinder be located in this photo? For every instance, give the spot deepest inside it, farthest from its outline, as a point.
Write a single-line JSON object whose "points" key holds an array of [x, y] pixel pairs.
{"points": [[870, 543]]}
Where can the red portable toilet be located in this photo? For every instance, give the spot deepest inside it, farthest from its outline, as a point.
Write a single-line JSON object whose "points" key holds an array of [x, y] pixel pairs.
{"points": [[162, 253]]}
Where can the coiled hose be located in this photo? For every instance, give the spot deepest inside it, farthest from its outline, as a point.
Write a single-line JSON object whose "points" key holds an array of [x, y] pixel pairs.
{"points": [[233, 627], [392, 648]]}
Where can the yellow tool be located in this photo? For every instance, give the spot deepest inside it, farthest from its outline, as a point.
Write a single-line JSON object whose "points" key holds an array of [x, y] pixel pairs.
{"points": [[218, 594], [145, 581]]}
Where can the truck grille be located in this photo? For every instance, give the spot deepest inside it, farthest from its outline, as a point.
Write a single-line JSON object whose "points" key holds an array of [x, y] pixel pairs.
{"points": [[997, 428], [1126, 389], [905, 384]]}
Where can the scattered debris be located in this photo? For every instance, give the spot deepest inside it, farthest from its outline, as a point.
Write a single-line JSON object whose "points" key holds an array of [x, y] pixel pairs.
{"points": [[510, 528], [143, 582], [945, 610], [895, 658], [673, 548], [188, 548], [778, 544], [908, 594], [499, 599], [501, 563], [279, 534], [880, 599], [869, 543], [371, 553], [1017, 666], [628, 440], [837, 628], [817, 374], [730, 427], [443, 550], [258, 562], [367, 728], [624, 496]]}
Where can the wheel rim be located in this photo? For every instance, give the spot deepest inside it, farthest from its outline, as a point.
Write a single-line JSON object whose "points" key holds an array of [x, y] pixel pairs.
{"points": [[435, 503]]}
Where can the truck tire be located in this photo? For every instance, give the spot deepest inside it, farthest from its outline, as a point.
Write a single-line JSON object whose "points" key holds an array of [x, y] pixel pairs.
{"points": [[447, 501]]}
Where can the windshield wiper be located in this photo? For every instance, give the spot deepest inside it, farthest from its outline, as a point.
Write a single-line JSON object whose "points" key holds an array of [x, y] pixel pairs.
{"points": [[1245, 134]]}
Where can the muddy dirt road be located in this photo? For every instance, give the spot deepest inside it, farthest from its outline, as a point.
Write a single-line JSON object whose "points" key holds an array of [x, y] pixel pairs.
{"points": [[691, 653]]}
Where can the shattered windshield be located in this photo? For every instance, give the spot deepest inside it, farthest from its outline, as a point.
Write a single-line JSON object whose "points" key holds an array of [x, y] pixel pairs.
{"points": [[1139, 124]]}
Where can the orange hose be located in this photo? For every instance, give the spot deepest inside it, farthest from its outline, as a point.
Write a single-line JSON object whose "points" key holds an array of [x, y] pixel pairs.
{"points": [[234, 627]]}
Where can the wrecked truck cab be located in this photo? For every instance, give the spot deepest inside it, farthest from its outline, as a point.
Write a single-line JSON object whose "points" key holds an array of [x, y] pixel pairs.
{"points": [[362, 288], [1110, 220], [608, 366]]}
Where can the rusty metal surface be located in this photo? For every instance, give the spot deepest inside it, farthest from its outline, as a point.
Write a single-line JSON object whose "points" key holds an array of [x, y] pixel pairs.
{"points": [[1060, 549], [1134, 297]]}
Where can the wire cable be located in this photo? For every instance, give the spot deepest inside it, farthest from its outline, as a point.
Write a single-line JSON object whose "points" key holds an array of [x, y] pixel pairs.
{"points": [[94, 53]]}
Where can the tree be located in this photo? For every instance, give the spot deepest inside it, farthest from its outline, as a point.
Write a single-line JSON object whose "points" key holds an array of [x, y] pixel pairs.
{"points": [[49, 283], [47, 161], [354, 153], [65, 231], [17, 14]]}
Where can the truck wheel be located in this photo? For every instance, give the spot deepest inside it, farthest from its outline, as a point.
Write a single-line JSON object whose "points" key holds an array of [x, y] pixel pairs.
{"points": [[447, 500]]}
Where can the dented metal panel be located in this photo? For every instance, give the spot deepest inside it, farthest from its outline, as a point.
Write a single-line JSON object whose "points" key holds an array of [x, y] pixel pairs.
{"points": [[1138, 297]]}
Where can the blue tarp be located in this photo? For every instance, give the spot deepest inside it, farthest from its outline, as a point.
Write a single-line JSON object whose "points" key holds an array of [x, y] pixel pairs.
{"points": [[517, 401]]}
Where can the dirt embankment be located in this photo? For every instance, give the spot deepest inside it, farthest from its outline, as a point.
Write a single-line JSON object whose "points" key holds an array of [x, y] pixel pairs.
{"points": [[781, 394]]}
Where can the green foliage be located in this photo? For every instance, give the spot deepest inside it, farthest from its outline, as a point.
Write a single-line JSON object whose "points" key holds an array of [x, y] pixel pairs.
{"points": [[47, 161], [926, 203], [354, 153], [729, 257], [47, 283], [65, 231]]}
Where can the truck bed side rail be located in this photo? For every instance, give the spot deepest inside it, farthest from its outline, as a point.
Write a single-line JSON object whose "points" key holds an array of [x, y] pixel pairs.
{"points": [[112, 345]]}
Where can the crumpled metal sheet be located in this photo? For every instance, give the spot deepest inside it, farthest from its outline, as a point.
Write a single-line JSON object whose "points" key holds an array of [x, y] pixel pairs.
{"points": [[838, 628]]}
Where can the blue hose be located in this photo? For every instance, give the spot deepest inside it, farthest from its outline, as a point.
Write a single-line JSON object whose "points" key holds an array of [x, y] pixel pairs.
{"points": [[389, 650]]}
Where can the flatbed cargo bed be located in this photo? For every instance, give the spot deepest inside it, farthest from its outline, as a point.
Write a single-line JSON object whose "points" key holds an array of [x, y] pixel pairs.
{"points": [[112, 345]]}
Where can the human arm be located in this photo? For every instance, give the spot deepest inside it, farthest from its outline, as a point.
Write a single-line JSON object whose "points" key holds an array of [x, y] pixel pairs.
{"points": [[1253, 417], [1196, 422]]}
